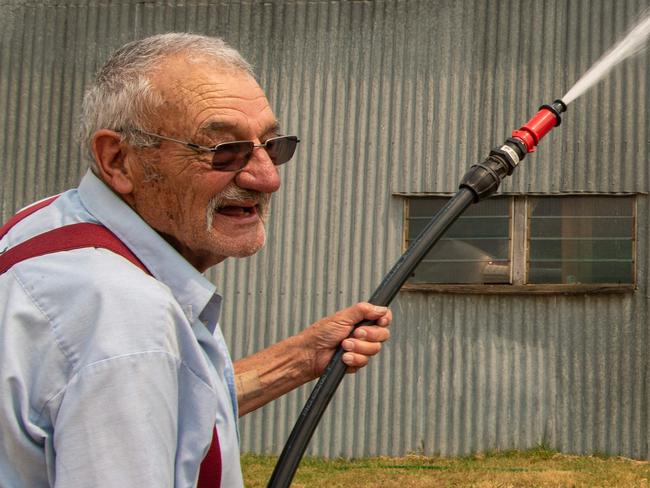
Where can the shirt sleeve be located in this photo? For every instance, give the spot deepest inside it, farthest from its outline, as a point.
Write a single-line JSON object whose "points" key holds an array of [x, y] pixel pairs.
{"points": [[117, 423]]}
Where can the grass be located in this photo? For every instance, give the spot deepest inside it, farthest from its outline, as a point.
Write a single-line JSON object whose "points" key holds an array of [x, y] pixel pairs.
{"points": [[539, 467]]}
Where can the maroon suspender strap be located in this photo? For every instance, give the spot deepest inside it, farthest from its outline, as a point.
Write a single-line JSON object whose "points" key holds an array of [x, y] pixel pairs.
{"points": [[66, 238], [210, 472], [24, 213], [77, 236]]}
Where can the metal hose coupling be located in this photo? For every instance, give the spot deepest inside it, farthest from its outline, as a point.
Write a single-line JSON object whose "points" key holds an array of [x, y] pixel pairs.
{"points": [[484, 178]]}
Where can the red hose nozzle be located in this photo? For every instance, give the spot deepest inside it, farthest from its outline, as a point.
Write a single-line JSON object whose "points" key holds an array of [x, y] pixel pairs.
{"points": [[541, 123]]}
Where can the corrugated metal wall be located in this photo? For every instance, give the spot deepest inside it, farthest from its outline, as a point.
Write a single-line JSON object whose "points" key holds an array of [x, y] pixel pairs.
{"points": [[388, 97]]}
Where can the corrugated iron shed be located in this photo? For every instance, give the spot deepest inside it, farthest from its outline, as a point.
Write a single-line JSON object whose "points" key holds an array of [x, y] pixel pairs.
{"points": [[391, 97]]}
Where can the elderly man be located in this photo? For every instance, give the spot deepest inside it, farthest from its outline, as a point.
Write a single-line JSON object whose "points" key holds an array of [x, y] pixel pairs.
{"points": [[113, 368]]}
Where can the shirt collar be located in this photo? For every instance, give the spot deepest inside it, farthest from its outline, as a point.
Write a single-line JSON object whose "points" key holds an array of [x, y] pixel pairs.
{"points": [[195, 293]]}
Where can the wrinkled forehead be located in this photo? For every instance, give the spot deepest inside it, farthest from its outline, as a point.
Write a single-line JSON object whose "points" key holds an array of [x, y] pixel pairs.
{"points": [[202, 95]]}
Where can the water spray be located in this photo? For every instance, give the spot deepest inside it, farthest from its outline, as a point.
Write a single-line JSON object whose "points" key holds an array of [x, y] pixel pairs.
{"points": [[633, 43], [481, 181]]}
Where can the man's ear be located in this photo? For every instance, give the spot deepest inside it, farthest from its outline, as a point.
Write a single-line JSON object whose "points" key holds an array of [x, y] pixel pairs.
{"points": [[110, 157]]}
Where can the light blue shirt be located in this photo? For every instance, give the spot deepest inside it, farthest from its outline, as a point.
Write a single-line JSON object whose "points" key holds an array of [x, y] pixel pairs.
{"points": [[110, 377]]}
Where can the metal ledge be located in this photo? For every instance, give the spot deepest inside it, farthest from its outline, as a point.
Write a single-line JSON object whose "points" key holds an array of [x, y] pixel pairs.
{"points": [[554, 289]]}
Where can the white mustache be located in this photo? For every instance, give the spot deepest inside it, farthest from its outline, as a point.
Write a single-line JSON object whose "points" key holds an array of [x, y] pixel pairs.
{"points": [[234, 193]]}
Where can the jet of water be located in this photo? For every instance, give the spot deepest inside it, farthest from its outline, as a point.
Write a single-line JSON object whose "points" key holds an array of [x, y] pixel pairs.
{"points": [[634, 42]]}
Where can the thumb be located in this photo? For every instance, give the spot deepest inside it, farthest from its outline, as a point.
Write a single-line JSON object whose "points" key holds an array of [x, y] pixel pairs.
{"points": [[359, 312]]}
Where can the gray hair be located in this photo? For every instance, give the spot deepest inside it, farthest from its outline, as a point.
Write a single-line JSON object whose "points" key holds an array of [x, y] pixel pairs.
{"points": [[122, 98]]}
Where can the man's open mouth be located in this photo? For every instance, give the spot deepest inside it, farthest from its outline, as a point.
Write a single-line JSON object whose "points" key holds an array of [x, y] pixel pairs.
{"points": [[241, 207], [238, 210]]}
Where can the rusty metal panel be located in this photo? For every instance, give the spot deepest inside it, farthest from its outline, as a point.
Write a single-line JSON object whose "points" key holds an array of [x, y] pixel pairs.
{"points": [[390, 96]]}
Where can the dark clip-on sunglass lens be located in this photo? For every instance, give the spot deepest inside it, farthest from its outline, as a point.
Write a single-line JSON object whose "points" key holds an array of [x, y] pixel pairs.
{"points": [[234, 156], [281, 148]]}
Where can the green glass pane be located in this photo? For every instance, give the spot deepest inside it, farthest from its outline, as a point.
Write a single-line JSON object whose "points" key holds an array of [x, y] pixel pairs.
{"points": [[582, 206], [582, 249], [475, 249], [581, 227], [576, 273], [478, 250], [480, 227], [427, 207], [456, 272]]}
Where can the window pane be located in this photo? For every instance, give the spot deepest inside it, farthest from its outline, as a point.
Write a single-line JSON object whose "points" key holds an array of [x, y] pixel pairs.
{"points": [[475, 249], [581, 239], [617, 227]]}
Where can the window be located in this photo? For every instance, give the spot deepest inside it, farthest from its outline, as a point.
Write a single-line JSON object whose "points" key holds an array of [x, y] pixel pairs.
{"points": [[574, 240], [581, 240]]}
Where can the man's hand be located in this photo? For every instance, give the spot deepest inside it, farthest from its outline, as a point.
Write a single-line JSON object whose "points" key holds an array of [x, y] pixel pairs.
{"points": [[296, 360], [323, 337]]}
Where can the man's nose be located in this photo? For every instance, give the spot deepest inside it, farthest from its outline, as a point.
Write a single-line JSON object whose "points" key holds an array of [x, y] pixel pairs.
{"points": [[260, 174]]}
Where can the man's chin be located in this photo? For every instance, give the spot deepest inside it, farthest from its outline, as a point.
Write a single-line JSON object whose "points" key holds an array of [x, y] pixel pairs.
{"points": [[245, 253], [242, 247]]}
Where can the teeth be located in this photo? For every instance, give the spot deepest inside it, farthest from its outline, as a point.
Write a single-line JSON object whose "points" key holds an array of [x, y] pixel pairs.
{"points": [[235, 210]]}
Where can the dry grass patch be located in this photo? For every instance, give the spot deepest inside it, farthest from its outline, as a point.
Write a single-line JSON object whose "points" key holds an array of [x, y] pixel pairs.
{"points": [[513, 469]]}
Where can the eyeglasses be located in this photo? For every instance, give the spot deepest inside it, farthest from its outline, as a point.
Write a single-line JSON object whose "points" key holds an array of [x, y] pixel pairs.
{"points": [[235, 155]]}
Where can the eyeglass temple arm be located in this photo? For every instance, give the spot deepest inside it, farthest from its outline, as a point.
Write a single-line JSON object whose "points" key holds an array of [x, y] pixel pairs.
{"points": [[198, 147], [191, 145]]}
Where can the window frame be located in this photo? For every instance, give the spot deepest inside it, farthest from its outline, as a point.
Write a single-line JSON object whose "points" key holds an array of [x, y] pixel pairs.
{"points": [[519, 242]]}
